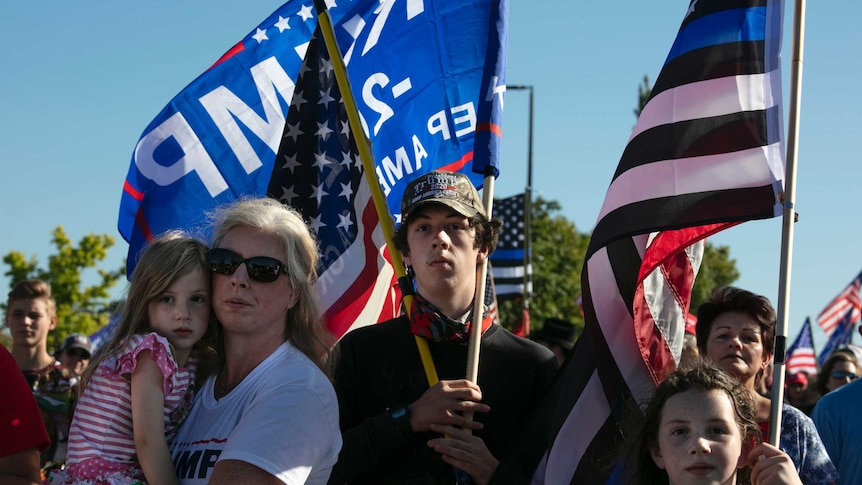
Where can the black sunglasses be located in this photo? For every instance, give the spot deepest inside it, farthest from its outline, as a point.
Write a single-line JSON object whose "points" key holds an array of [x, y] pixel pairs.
{"points": [[78, 353], [843, 375], [259, 268]]}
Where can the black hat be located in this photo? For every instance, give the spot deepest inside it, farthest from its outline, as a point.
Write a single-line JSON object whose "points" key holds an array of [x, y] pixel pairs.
{"points": [[77, 341], [556, 331]]}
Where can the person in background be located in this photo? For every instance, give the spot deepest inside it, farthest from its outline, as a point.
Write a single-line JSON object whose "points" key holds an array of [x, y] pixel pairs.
{"points": [[397, 427], [21, 427], [557, 335], [840, 369], [700, 427], [269, 413], [30, 316], [736, 331], [798, 393], [839, 421], [689, 354], [75, 354]]}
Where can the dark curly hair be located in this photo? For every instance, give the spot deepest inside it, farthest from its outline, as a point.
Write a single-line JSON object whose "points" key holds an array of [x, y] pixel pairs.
{"points": [[699, 375], [487, 232]]}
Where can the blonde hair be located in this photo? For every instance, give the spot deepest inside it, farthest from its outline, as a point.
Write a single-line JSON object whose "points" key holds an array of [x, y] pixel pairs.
{"points": [[302, 326], [168, 258]]}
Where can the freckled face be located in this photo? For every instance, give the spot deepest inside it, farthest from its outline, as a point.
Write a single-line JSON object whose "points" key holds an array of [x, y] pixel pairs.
{"points": [[699, 441]]}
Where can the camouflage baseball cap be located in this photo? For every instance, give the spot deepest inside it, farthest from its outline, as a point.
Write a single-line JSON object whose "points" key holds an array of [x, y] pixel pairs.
{"points": [[451, 189]]}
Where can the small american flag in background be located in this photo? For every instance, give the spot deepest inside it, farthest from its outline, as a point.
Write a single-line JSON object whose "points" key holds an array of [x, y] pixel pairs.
{"points": [[800, 355], [318, 171], [507, 261], [841, 336], [835, 311]]}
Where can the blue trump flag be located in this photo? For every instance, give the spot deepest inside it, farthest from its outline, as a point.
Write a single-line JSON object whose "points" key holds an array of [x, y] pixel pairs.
{"points": [[428, 78]]}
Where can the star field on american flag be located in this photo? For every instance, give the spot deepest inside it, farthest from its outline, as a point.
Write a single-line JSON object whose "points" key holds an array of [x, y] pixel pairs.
{"points": [[317, 170]]}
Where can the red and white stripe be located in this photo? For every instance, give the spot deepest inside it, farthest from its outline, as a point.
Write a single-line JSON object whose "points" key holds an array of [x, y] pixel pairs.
{"points": [[834, 312]]}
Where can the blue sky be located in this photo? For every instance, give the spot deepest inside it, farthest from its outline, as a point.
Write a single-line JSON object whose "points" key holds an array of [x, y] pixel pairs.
{"points": [[81, 80]]}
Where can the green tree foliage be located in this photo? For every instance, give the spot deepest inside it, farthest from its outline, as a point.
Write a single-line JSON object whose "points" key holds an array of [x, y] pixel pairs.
{"points": [[82, 309], [644, 91], [558, 254], [717, 269]]}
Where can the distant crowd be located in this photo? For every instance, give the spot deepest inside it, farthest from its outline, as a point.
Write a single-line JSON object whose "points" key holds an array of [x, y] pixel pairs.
{"points": [[219, 371]]}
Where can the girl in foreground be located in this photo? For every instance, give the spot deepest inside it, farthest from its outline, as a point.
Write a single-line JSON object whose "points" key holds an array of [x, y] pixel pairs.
{"points": [[139, 386], [700, 428]]}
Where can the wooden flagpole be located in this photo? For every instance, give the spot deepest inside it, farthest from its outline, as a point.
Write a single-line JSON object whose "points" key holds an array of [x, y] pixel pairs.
{"points": [[789, 201]]}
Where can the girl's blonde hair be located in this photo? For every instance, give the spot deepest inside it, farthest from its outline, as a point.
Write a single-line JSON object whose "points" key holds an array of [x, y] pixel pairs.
{"points": [[166, 259], [302, 327]]}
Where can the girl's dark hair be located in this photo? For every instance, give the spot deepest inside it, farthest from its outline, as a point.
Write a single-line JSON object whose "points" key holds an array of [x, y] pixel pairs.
{"points": [[703, 376], [731, 299]]}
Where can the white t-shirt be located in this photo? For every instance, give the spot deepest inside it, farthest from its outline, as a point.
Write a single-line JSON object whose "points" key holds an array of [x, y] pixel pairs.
{"points": [[282, 418]]}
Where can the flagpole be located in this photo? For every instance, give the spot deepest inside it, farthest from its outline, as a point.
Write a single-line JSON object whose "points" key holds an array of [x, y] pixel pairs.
{"points": [[362, 143], [528, 205], [367, 158], [479, 297], [789, 219]]}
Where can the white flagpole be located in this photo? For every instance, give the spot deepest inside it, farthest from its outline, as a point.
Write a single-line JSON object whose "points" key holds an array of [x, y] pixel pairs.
{"points": [[789, 201]]}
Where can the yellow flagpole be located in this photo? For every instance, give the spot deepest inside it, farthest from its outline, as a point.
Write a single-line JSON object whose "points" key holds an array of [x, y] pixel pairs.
{"points": [[365, 154]]}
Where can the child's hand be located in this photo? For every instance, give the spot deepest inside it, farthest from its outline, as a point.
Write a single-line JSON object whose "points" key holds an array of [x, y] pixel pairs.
{"points": [[771, 466]]}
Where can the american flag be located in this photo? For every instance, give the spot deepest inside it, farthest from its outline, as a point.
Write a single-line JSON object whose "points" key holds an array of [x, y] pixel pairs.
{"points": [[318, 171], [507, 261], [800, 355], [429, 104], [841, 336], [847, 300], [706, 153]]}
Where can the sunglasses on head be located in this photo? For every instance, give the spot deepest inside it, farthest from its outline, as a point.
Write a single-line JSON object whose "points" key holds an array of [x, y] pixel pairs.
{"points": [[844, 375], [259, 268]]}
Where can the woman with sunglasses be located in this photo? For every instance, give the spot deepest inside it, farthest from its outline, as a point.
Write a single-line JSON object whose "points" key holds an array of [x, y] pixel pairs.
{"points": [[269, 413], [839, 369]]}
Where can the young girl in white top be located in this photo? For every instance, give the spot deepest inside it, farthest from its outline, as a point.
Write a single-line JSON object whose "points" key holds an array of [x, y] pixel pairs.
{"points": [[140, 385]]}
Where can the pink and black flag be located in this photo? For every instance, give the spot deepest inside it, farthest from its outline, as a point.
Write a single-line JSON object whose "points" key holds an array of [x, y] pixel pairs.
{"points": [[705, 154]]}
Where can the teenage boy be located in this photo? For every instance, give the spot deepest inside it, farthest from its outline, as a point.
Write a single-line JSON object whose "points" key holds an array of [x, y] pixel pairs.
{"points": [[396, 428]]}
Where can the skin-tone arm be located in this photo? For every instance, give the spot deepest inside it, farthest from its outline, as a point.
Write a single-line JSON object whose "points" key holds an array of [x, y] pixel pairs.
{"points": [[227, 472], [771, 466], [148, 422], [20, 468]]}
